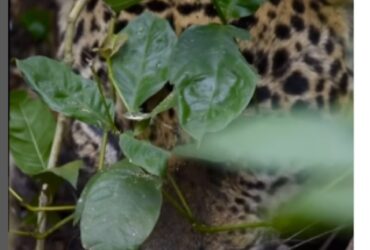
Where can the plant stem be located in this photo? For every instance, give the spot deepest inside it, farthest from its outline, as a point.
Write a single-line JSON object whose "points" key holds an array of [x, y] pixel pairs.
{"points": [[185, 211], [51, 230], [71, 23], [178, 207], [201, 228], [38, 209], [102, 150], [43, 198], [68, 59], [181, 197], [22, 233], [56, 226], [58, 136], [41, 217]]}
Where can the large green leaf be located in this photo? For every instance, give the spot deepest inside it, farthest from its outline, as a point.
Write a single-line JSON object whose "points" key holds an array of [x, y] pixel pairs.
{"points": [[31, 132], [66, 92], [140, 68], [144, 154], [232, 9], [271, 141], [213, 82], [118, 5], [120, 208]]}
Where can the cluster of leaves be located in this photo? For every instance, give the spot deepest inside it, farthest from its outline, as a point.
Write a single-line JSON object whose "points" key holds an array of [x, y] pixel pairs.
{"points": [[213, 84]]}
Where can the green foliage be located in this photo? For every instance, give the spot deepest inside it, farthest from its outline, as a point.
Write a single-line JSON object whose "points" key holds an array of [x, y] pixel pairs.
{"points": [[213, 82], [279, 141], [68, 172], [37, 22], [234, 9], [31, 134], [120, 208], [140, 68], [31, 131], [66, 92], [112, 44], [118, 5], [144, 154]]}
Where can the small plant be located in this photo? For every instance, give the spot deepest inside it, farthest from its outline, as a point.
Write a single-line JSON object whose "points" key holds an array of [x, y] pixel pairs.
{"points": [[213, 84]]}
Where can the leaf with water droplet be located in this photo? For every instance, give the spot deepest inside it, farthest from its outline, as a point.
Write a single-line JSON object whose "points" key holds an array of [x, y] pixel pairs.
{"points": [[124, 218]]}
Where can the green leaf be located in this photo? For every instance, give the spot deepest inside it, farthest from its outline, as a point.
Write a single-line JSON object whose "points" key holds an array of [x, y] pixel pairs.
{"points": [[213, 82], [36, 22], [68, 172], [31, 132], [271, 141], [66, 92], [144, 154], [233, 9], [118, 5], [140, 68], [120, 208]]}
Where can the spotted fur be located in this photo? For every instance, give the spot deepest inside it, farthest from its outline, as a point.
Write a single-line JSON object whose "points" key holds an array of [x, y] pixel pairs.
{"points": [[299, 49]]}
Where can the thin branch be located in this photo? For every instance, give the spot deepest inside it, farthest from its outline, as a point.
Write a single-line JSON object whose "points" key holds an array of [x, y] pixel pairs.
{"points": [[41, 217], [103, 147], [44, 235], [71, 24], [56, 226], [68, 59], [183, 201], [39, 209], [201, 228], [58, 136], [22, 233], [177, 206]]}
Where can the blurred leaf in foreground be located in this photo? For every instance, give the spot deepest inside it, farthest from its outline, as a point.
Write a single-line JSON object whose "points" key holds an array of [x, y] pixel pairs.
{"points": [[303, 140]]}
